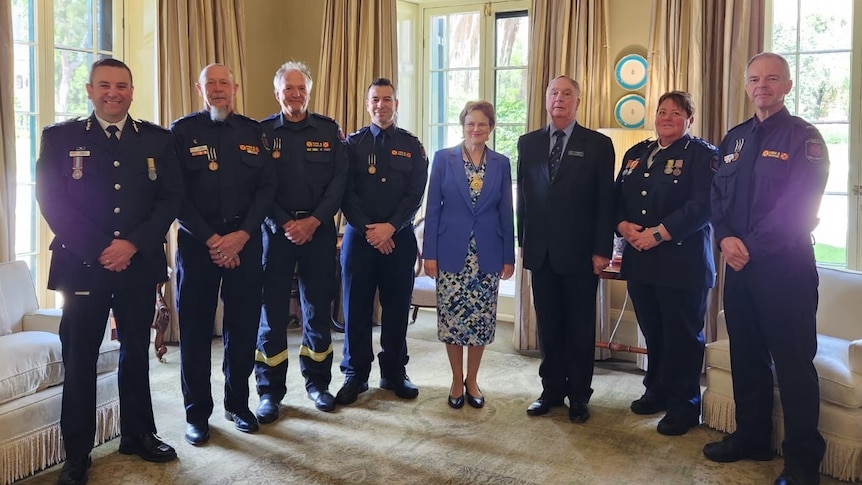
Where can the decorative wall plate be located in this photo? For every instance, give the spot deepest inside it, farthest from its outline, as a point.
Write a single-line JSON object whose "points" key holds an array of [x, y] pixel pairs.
{"points": [[631, 72], [630, 111]]}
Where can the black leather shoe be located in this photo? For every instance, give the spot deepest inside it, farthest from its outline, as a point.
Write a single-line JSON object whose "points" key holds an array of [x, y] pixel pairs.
{"points": [[267, 410], [476, 402], [244, 420], [456, 402], [197, 433], [149, 447], [671, 425], [351, 389], [323, 400], [579, 412], [543, 405], [647, 404], [731, 449], [792, 476], [74, 471], [401, 385]]}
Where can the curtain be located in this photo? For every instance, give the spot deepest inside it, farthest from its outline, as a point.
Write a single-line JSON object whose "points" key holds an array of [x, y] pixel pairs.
{"points": [[7, 134], [567, 37], [358, 45], [698, 47], [193, 34]]}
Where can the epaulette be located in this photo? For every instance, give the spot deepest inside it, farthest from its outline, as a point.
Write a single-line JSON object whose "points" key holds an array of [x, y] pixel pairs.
{"points": [[245, 118], [700, 141], [357, 132], [150, 124], [183, 119], [323, 117], [744, 123], [270, 117], [402, 130]]}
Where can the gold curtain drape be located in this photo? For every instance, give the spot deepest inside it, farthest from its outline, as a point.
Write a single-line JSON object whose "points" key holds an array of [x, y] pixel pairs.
{"points": [[358, 45], [566, 38], [7, 134], [696, 46], [193, 34]]}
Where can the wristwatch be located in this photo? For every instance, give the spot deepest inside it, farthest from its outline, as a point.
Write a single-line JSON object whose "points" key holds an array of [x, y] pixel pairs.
{"points": [[657, 235]]}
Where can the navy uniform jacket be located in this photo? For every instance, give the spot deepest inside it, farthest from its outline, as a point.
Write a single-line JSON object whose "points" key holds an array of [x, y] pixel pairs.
{"points": [[769, 183], [230, 189], [132, 194], [310, 162], [393, 193], [673, 192], [571, 218]]}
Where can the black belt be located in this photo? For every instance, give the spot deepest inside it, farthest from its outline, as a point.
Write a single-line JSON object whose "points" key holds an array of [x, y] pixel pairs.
{"points": [[228, 224], [299, 214]]}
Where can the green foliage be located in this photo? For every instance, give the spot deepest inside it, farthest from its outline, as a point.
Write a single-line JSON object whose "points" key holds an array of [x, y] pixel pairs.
{"points": [[824, 253]]}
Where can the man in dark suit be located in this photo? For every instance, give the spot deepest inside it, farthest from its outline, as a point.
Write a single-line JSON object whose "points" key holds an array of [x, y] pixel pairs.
{"points": [[565, 229], [109, 187]]}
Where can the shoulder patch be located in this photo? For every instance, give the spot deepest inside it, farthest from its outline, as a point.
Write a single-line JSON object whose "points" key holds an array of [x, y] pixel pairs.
{"points": [[815, 150]]}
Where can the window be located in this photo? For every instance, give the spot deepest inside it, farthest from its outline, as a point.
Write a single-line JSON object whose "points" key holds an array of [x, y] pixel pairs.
{"points": [[55, 42], [476, 52], [816, 38]]}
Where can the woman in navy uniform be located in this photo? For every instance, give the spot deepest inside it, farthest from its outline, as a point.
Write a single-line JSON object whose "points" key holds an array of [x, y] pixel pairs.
{"points": [[765, 199], [386, 180], [662, 211], [229, 188], [109, 187]]}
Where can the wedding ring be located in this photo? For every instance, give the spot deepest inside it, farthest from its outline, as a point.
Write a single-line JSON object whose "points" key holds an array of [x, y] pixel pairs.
{"points": [[107, 261]]}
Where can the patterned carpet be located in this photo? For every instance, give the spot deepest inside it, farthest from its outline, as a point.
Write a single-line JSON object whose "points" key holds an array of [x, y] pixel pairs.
{"points": [[382, 439]]}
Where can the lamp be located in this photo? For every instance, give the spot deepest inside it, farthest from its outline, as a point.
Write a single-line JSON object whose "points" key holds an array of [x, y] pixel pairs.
{"points": [[623, 139]]}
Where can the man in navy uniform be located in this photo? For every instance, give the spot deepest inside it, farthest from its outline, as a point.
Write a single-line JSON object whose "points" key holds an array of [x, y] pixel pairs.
{"points": [[565, 167], [109, 187], [765, 199], [310, 161], [229, 188], [388, 169]]}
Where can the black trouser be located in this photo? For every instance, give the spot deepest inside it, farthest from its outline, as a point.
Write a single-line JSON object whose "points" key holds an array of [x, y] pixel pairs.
{"points": [[316, 260], [671, 320], [364, 271], [82, 329], [770, 307], [566, 324], [198, 284]]}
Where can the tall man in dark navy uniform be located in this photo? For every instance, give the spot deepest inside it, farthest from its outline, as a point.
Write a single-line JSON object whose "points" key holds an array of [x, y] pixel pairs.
{"points": [[310, 160], [765, 199], [565, 229], [388, 169], [109, 188], [229, 188]]}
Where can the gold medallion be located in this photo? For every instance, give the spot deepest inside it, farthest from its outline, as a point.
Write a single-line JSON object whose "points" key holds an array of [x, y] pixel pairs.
{"points": [[668, 171], [372, 169], [276, 154], [213, 166], [475, 183], [77, 174]]}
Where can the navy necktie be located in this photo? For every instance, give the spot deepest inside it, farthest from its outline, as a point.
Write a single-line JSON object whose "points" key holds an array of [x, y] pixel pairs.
{"points": [[556, 154], [112, 134]]}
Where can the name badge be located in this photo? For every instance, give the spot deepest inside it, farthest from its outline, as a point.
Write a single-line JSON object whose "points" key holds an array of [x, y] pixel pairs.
{"points": [[573, 153], [79, 153], [198, 150]]}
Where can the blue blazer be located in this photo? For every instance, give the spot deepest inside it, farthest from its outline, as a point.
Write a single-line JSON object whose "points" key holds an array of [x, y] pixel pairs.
{"points": [[451, 215]]}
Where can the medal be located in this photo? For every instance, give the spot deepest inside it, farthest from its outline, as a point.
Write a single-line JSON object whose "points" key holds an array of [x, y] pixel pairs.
{"points": [[372, 164], [668, 167], [677, 167], [77, 166], [476, 177], [276, 148], [77, 174], [151, 169], [211, 154], [475, 183], [372, 169], [677, 171], [276, 154]]}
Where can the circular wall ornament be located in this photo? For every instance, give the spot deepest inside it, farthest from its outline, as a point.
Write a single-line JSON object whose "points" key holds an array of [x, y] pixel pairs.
{"points": [[630, 111], [631, 72]]}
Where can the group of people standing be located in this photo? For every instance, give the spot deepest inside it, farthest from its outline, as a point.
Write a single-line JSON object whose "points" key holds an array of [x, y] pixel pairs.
{"points": [[256, 203]]}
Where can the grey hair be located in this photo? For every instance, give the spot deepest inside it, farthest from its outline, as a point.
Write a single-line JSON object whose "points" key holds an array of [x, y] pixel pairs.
{"points": [[293, 66]]}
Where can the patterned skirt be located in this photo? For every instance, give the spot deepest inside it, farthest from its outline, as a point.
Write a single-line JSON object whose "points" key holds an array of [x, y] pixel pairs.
{"points": [[467, 303]]}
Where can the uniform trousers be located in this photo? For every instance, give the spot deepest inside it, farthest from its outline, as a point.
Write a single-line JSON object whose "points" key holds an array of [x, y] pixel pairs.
{"points": [[770, 307], [316, 271], [566, 324], [671, 320], [198, 283], [366, 270], [82, 329]]}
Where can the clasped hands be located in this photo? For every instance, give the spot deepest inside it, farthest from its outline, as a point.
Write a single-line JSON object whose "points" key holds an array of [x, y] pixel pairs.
{"points": [[379, 236], [430, 267], [300, 231], [637, 237], [224, 250], [118, 255]]}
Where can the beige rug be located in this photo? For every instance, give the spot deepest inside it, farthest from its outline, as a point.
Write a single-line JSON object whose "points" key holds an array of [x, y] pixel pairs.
{"points": [[382, 439]]}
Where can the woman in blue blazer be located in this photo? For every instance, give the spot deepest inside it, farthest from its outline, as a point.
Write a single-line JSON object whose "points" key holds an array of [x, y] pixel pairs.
{"points": [[469, 245]]}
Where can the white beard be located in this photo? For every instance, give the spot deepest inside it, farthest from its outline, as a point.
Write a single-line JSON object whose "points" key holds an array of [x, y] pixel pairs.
{"points": [[219, 113]]}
